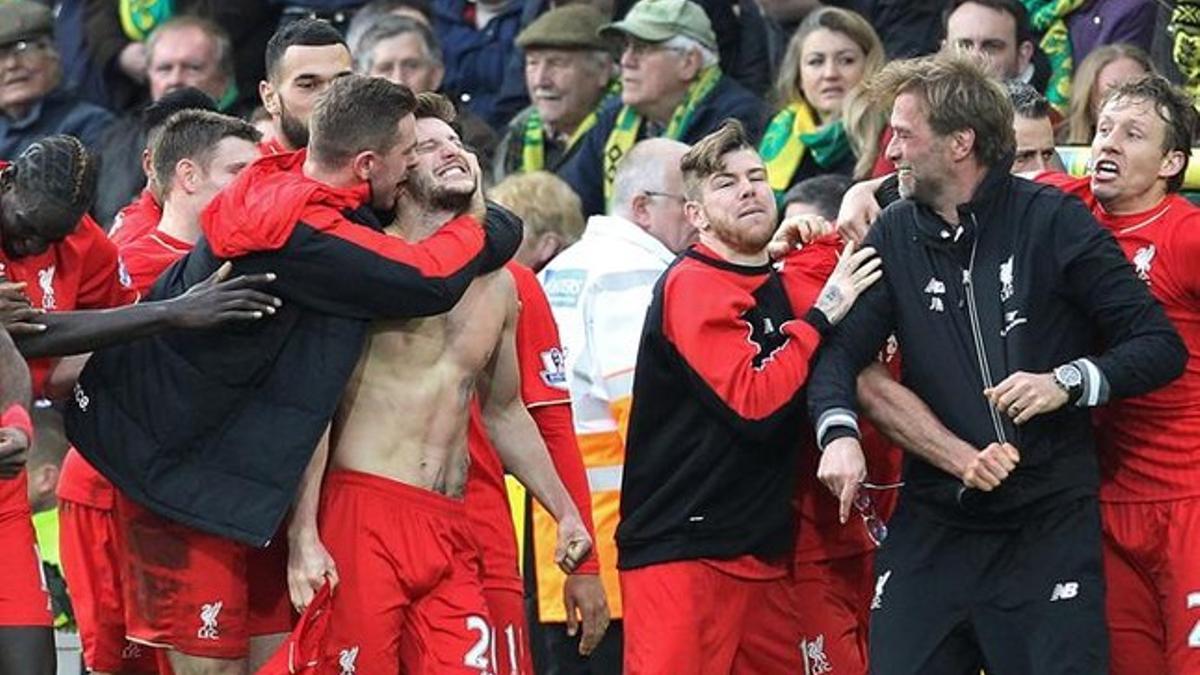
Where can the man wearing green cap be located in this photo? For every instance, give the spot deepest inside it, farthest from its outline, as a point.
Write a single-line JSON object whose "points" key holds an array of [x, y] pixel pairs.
{"points": [[32, 104], [568, 70], [671, 86]]}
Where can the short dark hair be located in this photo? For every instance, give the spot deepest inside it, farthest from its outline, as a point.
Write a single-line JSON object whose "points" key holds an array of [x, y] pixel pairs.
{"points": [[431, 104], [53, 182], [1027, 101], [822, 192], [356, 114], [1014, 8], [707, 155], [1174, 107], [301, 33], [194, 135], [157, 113]]}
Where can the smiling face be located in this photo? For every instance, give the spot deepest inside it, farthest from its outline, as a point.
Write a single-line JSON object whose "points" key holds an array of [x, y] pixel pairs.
{"points": [[29, 69], [920, 155], [831, 64], [1130, 167], [565, 84], [736, 209], [446, 174]]}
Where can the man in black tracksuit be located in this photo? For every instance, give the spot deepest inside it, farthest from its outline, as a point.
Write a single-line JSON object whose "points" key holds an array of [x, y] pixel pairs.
{"points": [[1015, 313]]}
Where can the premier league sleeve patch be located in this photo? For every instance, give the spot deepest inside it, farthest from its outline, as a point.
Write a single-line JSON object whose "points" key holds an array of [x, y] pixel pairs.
{"points": [[554, 368]]}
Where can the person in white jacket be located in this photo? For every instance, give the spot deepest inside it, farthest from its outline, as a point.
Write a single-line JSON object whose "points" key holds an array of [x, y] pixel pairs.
{"points": [[599, 290]]}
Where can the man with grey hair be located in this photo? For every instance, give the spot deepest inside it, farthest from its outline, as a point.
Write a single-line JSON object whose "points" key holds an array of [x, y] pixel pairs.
{"points": [[185, 51], [599, 290], [405, 50], [33, 102], [568, 69], [671, 86]]}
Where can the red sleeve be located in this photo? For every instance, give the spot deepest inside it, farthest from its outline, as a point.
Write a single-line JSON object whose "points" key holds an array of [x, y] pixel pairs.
{"points": [[145, 260], [1079, 187], [103, 280], [558, 431], [539, 350], [702, 318], [804, 272]]}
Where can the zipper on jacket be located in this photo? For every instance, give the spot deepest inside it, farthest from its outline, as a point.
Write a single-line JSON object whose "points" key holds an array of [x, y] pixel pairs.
{"points": [[984, 371]]}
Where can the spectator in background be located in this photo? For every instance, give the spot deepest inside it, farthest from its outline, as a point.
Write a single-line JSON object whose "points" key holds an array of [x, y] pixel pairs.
{"points": [[832, 52], [405, 50], [568, 70], [1103, 69], [184, 51], [1034, 132], [552, 214], [33, 104], [1106, 22], [816, 196], [116, 32], [671, 87], [337, 13], [998, 30], [599, 291], [302, 59], [372, 12], [477, 38]]}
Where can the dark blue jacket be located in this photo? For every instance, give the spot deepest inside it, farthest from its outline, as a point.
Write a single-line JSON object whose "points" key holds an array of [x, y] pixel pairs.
{"points": [[584, 171], [475, 59], [60, 112]]}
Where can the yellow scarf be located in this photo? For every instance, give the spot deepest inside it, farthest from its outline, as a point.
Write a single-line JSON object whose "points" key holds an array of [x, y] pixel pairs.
{"points": [[782, 149], [625, 130]]}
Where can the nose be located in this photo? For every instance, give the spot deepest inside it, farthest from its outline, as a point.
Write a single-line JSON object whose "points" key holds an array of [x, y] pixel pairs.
{"points": [[628, 57], [829, 70], [893, 150], [540, 76]]}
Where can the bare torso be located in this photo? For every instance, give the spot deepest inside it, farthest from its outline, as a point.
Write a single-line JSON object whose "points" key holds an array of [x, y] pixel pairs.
{"points": [[405, 411]]}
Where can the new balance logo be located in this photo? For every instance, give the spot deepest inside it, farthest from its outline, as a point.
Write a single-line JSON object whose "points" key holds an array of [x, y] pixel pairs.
{"points": [[877, 601], [1066, 590], [346, 659], [208, 617]]}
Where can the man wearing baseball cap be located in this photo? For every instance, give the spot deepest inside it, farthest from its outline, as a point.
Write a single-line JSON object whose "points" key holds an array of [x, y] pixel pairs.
{"points": [[32, 103], [568, 70], [671, 85]]}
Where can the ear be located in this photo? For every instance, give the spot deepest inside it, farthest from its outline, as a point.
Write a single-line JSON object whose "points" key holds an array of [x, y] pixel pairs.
{"points": [[363, 164], [270, 100], [439, 71], [693, 63], [695, 215], [147, 165], [639, 209], [187, 175], [1171, 164], [547, 246], [962, 143]]}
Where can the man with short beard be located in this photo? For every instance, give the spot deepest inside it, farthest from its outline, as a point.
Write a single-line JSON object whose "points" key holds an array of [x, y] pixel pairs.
{"points": [[302, 59], [391, 513], [710, 463]]}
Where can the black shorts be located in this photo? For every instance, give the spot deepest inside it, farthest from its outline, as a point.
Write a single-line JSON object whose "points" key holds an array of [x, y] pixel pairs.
{"points": [[950, 601]]}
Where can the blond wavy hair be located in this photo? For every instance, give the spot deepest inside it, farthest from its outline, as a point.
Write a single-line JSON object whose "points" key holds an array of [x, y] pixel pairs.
{"points": [[1081, 119]]}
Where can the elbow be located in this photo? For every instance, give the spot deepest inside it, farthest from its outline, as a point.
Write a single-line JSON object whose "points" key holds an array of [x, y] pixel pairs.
{"points": [[873, 386]]}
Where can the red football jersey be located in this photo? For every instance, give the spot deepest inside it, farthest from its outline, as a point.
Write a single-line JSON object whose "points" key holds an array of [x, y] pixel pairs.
{"points": [[1150, 445], [543, 382], [145, 258], [138, 218], [82, 271]]}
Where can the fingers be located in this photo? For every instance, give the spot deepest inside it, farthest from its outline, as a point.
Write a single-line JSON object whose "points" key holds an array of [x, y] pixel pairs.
{"points": [[222, 272], [1011, 450], [846, 499], [246, 280], [860, 286], [24, 328], [572, 608], [865, 271], [595, 623]]}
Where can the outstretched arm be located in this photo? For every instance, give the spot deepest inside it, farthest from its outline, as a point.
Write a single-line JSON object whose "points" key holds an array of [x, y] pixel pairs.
{"points": [[521, 448], [15, 391]]}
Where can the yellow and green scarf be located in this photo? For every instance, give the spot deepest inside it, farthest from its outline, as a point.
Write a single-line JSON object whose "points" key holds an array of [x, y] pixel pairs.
{"points": [[533, 137], [791, 133], [1185, 46], [625, 131], [139, 18], [1048, 17]]}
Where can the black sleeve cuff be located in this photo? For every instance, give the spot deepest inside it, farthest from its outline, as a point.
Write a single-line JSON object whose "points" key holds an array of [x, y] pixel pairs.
{"points": [[888, 192], [817, 319]]}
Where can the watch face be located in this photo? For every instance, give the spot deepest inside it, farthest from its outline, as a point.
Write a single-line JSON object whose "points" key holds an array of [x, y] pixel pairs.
{"points": [[1069, 376]]}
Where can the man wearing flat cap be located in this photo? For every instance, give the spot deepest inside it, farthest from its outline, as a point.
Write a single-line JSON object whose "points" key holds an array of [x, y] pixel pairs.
{"points": [[569, 69], [671, 86], [32, 103]]}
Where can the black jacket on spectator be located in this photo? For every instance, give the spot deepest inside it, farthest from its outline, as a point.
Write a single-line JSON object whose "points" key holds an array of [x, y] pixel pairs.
{"points": [[1028, 283]]}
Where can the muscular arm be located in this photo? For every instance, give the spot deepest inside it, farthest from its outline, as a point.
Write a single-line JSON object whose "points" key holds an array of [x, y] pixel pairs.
{"points": [[16, 389], [309, 564], [907, 421]]}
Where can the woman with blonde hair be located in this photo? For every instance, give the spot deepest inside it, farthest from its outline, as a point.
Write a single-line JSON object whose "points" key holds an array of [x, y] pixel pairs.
{"points": [[832, 53], [1103, 68]]}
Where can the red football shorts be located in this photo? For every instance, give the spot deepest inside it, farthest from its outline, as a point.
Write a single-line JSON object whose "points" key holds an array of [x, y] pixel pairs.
{"points": [[814, 621], [198, 593], [686, 617], [408, 597], [24, 600], [91, 561], [1152, 566], [510, 634]]}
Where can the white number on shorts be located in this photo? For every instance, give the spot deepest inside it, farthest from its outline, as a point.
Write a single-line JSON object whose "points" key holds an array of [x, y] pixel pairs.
{"points": [[512, 647], [477, 656], [1193, 602]]}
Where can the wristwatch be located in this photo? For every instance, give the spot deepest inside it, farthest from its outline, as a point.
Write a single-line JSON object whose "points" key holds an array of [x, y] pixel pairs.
{"points": [[1070, 378]]}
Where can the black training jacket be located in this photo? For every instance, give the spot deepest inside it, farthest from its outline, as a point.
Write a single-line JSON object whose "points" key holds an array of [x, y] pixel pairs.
{"points": [[1028, 283], [214, 428]]}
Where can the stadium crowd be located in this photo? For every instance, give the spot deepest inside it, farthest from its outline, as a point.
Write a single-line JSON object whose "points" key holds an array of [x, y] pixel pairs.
{"points": [[600, 336]]}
